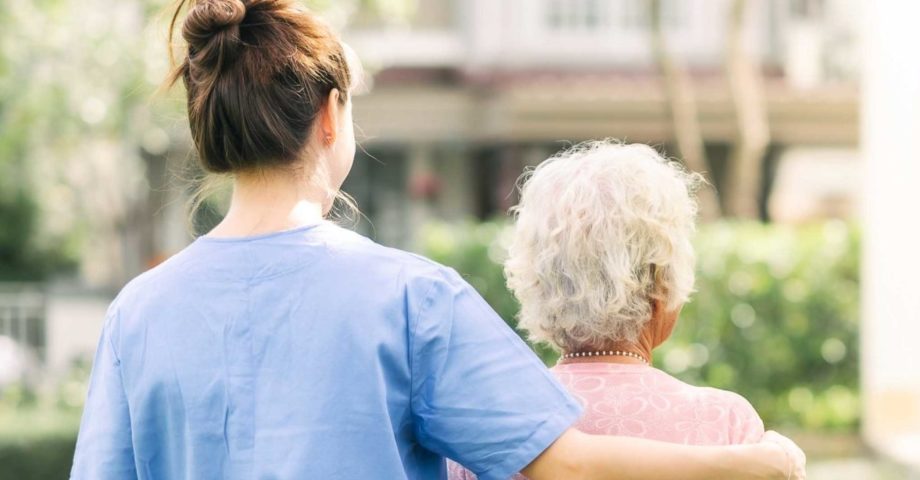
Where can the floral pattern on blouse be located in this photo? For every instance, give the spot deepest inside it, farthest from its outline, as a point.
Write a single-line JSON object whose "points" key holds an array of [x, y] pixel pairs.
{"points": [[641, 401]]}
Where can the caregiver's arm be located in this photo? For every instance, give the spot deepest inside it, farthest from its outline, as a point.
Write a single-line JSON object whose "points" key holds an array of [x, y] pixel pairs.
{"points": [[577, 455]]}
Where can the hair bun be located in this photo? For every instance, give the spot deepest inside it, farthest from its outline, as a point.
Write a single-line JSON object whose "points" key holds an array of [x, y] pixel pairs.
{"points": [[211, 20]]}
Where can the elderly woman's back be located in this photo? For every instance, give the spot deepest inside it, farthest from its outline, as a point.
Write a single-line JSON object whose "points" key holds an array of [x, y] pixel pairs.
{"points": [[641, 401], [601, 261], [636, 400]]}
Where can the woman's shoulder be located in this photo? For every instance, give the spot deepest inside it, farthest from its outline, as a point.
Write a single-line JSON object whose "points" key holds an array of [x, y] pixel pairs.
{"points": [[735, 401], [352, 247], [745, 424], [674, 409], [729, 409], [711, 395], [349, 253]]}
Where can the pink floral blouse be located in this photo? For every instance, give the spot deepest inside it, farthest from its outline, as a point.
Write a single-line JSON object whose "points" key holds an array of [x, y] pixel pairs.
{"points": [[642, 401]]}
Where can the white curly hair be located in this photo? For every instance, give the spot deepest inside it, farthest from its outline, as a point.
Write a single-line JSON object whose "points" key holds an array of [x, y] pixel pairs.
{"points": [[602, 229]]}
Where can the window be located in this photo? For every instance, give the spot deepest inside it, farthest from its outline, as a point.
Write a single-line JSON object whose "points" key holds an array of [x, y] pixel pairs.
{"points": [[807, 9], [634, 14], [577, 15], [596, 15]]}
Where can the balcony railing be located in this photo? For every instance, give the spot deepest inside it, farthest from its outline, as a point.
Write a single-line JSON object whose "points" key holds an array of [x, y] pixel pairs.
{"points": [[601, 34]]}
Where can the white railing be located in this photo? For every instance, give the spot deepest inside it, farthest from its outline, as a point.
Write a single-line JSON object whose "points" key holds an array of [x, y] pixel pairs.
{"points": [[23, 315]]}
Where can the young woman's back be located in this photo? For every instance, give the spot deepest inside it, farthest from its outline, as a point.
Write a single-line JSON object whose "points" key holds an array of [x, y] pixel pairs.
{"points": [[292, 354]]}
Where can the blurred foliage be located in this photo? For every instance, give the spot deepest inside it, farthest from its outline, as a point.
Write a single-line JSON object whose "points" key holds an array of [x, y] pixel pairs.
{"points": [[37, 443], [24, 255], [775, 317], [44, 458], [75, 80], [38, 430], [80, 120]]}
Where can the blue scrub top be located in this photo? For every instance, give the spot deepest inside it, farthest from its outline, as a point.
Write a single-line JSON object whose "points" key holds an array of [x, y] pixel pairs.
{"points": [[312, 353]]}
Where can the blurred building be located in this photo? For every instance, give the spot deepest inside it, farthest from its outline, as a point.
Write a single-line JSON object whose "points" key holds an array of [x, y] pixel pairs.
{"points": [[469, 92], [890, 258], [464, 94]]}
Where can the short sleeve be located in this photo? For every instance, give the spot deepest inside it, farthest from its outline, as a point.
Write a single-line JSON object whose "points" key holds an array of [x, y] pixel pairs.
{"points": [[746, 425], [479, 394], [104, 449]]}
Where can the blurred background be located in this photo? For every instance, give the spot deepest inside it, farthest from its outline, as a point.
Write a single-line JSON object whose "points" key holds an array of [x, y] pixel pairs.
{"points": [[803, 115]]}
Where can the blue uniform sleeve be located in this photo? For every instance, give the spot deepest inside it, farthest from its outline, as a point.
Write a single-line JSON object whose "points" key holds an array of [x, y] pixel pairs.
{"points": [[104, 448], [479, 394]]}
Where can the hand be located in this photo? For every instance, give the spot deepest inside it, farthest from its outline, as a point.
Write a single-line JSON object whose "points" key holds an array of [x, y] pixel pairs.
{"points": [[795, 457]]}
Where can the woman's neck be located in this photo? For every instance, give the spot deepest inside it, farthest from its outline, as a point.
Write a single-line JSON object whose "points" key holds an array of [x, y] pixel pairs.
{"points": [[269, 202], [609, 358], [641, 348]]}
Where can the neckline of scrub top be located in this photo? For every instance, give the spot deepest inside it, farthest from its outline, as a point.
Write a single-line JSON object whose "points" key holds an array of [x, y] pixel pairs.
{"points": [[261, 236]]}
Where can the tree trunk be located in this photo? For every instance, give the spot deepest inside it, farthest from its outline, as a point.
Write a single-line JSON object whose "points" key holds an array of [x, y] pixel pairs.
{"points": [[742, 186], [682, 108]]}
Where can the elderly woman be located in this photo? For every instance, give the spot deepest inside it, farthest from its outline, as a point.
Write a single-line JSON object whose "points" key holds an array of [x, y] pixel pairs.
{"points": [[601, 262]]}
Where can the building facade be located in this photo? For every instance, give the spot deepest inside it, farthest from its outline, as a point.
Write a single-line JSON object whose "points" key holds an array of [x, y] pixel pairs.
{"points": [[468, 93]]}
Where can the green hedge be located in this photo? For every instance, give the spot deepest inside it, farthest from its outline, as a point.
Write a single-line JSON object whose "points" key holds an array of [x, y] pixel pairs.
{"points": [[775, 316], [45, 458], [37, 443]]}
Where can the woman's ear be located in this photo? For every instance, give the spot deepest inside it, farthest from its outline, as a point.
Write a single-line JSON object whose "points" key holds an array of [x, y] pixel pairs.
{"points": [[329, 119]]}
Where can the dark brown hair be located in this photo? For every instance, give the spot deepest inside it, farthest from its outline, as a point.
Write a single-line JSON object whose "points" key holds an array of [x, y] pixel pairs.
{"points": [[256, 73]]}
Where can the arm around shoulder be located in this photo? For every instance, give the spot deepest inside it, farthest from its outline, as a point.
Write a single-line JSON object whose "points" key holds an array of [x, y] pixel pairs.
{"points": [[579, 456]]}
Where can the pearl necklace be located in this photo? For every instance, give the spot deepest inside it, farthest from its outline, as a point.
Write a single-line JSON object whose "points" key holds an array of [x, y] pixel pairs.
{"points": [[604, 353]]}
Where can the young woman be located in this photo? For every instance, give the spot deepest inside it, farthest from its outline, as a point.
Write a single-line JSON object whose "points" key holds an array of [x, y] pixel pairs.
{"points": [[281, 346]]}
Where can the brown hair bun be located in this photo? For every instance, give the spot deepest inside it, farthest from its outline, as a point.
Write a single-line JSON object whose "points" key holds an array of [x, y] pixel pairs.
{"points": [[256, 74], [212, 29]]}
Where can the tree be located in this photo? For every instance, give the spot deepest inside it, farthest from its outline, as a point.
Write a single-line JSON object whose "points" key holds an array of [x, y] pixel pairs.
{"points": [[682, 107], [742, 185], [76, 118]]}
